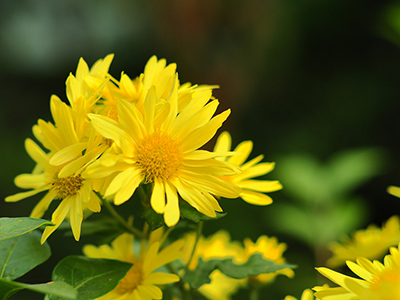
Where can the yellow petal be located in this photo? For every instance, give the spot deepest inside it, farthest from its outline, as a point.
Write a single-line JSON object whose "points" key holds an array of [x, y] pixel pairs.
{"points": [[223, 143], [245, 148], [58, 217], [264, 186], [202, 135], [255, 198], [76, 216], [172, 212], [157, 200]]}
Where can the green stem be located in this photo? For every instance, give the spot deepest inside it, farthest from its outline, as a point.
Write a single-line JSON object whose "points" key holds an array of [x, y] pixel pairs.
{"points": [[198, 234], [121, 221], [254, 293]]}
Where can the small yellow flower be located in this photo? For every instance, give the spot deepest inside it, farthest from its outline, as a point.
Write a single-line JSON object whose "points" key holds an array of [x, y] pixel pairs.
{"points": [[59, 171], [371, 243], [216, 246], [306, 295], [378, 281], [271, 250], [252, 190], [141, 281]]}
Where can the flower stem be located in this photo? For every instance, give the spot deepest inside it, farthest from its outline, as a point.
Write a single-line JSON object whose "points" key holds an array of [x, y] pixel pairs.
{"points": [[198, 234], [254, 293], [129, 228]]}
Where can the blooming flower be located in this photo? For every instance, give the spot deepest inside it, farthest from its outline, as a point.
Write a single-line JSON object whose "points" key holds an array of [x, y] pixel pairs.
{"points": [[271, 250], [371, 243], [378, 281], [216, 246], [306, 295], [252, 190], [73, 145], [142, 280], [160, 146]]}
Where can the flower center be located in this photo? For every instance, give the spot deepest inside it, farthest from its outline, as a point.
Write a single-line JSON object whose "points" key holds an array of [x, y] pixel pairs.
{"points": [[387, 284], [132, 279], [158, 155], [67, 186]]}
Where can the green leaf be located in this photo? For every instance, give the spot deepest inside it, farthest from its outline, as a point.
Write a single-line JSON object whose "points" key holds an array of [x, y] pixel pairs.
{"points": [[255, 265], [349, 169], [21, 254], [190, 213], [60, 289], [91, 277], [13, 227], [154, 219]]}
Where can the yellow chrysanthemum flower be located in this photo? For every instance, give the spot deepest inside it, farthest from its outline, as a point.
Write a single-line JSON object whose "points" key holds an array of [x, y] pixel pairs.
{"points": [[159, 146], [141, 281], [271, 250], [306, 295], [252, 190], [75, 192], [378, 281], [371, 243], [216, 246], [156, 73]]}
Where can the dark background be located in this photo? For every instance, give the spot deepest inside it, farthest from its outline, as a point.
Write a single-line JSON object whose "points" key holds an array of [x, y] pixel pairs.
{"points": [[301, 76]]}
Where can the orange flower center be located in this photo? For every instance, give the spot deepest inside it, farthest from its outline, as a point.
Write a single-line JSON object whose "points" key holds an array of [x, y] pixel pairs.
{"points": [[387, 284], [159, 155], [67, 186], [132, 280]]}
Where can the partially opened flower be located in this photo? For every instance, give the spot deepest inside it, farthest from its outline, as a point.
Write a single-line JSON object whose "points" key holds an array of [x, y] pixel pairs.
{"points": [[252, 189], [371, 243], [160, 146], [216, 246], [377, 281], [143, 280], [270, 249]]}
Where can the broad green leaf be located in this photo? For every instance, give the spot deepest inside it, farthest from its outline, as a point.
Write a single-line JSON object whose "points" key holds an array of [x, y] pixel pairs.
{"points": [[255, 265], [91, 277], [12, 227], [190, 213], [21, 254], [60, 289]]}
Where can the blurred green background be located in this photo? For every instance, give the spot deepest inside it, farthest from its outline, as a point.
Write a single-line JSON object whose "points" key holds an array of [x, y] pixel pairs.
{"points": [[315, 85]]}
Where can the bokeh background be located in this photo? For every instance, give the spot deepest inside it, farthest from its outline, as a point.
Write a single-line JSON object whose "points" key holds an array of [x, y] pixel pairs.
{"points": [[314, 84]]}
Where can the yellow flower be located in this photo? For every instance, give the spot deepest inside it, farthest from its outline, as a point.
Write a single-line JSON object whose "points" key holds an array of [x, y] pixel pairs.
{"points": [[306, 295], [71, 188], [252, 190], [371, 243], [159, 146], [378, 281], [271, 250], [217, 246], [156, 73], [141, 281]]}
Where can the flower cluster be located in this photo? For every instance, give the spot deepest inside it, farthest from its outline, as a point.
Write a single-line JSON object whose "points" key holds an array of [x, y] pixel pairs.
{"points": [[115, 136]]}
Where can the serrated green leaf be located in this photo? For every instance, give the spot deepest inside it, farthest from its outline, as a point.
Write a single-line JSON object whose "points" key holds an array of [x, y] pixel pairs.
{"points": [[91, 277], [154, 219], [190, 213], [60, 289], [255, 265], [21, 254], [13, 227]]}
